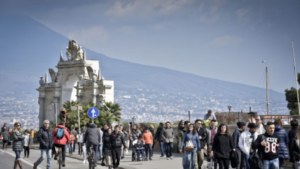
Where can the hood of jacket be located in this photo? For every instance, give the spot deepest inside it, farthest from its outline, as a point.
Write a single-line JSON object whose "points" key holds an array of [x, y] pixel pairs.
{"points": [[278, 128]]}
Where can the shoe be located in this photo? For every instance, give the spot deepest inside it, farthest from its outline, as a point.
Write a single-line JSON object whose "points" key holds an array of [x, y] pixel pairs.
{"points": [[167, 158], [63, 164], [150, 158], [122, 157], [103, 164], [162, 156], [34, 167]]}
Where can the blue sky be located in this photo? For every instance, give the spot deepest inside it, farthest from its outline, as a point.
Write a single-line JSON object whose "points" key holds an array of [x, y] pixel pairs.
{"points": [[222, 39]]}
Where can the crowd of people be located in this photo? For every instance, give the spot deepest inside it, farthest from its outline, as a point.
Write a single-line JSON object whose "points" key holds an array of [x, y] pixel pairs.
{"points": [[203, 143]]}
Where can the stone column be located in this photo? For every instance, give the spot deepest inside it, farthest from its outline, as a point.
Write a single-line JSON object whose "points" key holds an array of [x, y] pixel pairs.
{"points": [[41, 111]]}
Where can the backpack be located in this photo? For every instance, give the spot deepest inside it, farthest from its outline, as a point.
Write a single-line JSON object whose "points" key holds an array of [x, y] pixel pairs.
{"points": [[60, 132], [234, 159]]}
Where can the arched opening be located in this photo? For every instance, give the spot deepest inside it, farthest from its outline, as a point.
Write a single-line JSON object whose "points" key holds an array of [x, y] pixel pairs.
{"points": [[68, 90]]}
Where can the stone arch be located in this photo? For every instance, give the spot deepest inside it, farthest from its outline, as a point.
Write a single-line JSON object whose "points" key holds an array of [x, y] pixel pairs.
{"points": [[68, 90]]}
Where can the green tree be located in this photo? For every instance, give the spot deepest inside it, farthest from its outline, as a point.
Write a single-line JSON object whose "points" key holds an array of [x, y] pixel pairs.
{"points": [[291, 98], [113, 108]]}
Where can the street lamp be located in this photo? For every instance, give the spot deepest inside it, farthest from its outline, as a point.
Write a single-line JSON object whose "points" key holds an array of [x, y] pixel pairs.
{"points": [[229, 108], [77, 108], [133, 118]]}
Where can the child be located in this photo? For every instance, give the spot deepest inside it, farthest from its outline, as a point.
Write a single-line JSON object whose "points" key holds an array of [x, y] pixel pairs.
{"points": [[139, 148], [148, 141], [71, 143], [26, 143]]}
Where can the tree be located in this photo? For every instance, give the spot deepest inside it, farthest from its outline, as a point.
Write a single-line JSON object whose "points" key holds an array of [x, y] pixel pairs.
{"points": [[113, 108], [291, 98]]}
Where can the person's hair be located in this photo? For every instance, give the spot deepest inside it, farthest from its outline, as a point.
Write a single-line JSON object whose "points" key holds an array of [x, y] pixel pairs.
{"points": [[26, 131], [179, 124], [196, 121], [270, 123], [46, 121], [161, 124], [278, 122], [194, 130], [240, 124], [209, 112], [227, 132], [135, 126], [186, 122], [294, 123], [16, 127]]}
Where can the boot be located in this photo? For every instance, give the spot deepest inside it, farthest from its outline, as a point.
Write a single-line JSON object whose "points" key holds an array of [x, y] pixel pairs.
{"points": [[15, 165], [20, 164], [63, 164]]}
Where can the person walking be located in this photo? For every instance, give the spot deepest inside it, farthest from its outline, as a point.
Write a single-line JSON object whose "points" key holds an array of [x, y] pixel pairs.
{"points": [[100, 146], [75, 140], [202, 137], [151, 129], [283, 152], [17, 138], [292, 135], [26, 143], [125, 135], [245, 142], [107, 148], [222, 146], [210, 116], [295, 148], [71, 142], [116, 140], [135, 135], [32, 136], [260, 127], [5, 140], [235, 141], [181, 131], [168, 137], [267, 145], [148, 142], [158, 137], [211, 131], [190, 145], [61, 138], [45, 137]]}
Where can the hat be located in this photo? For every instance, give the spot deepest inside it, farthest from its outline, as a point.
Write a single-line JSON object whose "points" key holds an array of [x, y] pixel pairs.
{"points": [[251, 125], [214, 120]]}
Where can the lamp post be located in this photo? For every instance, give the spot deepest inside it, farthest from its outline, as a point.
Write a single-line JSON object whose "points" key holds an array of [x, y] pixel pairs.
{"points": [[77, 108], [133, 118], [229, 108]]}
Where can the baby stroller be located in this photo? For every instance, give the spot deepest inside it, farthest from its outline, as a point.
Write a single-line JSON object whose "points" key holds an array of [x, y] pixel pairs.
{"points": [[138, 151]]}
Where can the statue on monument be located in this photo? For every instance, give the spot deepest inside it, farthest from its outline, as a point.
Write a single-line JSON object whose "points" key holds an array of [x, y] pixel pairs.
{"points": [[74, 52]]}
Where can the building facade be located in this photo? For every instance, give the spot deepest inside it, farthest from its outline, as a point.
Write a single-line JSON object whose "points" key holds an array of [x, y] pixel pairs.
{"points": [[76, 79]]}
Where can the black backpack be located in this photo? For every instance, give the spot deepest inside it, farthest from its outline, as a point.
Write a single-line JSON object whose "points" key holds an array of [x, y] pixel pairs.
{"points": [[234, 159]]}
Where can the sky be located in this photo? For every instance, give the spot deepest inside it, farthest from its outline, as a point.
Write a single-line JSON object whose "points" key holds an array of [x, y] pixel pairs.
{"points": [[221, 39]]}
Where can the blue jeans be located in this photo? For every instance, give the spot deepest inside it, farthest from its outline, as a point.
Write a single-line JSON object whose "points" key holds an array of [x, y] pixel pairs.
{"points": [[188, 159], [246, 161], [271, 164], [169, 149], [18, 153], [148, 149], [162, 149], [99, 154], [44, 153]]}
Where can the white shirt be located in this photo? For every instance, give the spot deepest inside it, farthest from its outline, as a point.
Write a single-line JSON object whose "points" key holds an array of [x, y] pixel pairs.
{"points": [[245, 141], [26, 140]]}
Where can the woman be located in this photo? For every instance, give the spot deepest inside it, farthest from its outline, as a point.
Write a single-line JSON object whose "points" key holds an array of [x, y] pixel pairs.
{"points": [[125, 134], [26, 144], [222, 146], [107, 147], [71, 142], [189, 155], [17, 138], [292, 135], [296, 149], [135, 135], [283, 152]]}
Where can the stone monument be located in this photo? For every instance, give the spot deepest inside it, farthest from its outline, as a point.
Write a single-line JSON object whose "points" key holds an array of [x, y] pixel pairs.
{"points": [[76, 79]]}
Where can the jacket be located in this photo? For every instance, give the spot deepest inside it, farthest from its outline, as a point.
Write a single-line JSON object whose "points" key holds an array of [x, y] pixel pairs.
{"points": [[296, 150], [17, 141], [222, 146], [208, 134], [147, 138], [292, 136], [65, 139], [5, 135], [235, 138], [117, 140], [283, 151], [106, 144], [180, 136], [194, 138], [92, 135], [159, 133], [244, 143], [72, 138], [168, 135], [201, 132], [45, 137], [135, 134]]}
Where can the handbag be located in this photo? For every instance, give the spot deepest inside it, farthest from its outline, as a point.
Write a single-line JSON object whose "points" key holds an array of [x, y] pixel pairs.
{"points": [[189, 146]]}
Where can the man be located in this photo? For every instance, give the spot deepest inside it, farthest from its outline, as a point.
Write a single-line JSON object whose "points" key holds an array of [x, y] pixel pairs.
{"points": [[168, 137], [158, 137], [75, 141], [5, 140], [260, 127], [181, 132], [235, 140], [45, 138], [211, 131], [267, 145], [116, 140], [91, 138], [245, 141], [61, 138], [210, 116], [251, 119], [202, 137]]}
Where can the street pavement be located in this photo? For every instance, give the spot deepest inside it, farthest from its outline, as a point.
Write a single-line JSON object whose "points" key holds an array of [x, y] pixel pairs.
{"points": [[75, 161]]}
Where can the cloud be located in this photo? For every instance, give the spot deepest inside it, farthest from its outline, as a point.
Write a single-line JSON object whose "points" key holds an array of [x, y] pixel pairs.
{"points": [[146, 7], [226, 40], [127, 30], [91, 35], [241, 12]]}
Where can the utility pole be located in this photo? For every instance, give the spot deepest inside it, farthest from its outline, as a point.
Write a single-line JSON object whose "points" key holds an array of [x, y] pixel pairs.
{"points": [[189, 116], [267, 90], [296, 77]]}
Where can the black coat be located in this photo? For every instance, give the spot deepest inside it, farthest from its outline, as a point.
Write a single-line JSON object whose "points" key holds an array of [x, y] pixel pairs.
{"points": [[292, 136], [159, 133], [117, 140], [106, 144], [45, 137]]}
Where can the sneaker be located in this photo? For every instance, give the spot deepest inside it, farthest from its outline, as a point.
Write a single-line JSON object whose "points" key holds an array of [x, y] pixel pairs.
{"points": [[171, 157], [63, 164], [162, 156], [167, 158], [122, 157], [150, 158]]}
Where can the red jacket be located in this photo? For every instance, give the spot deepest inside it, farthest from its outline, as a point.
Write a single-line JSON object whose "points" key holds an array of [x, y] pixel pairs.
{"points": [[65, 139]]}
